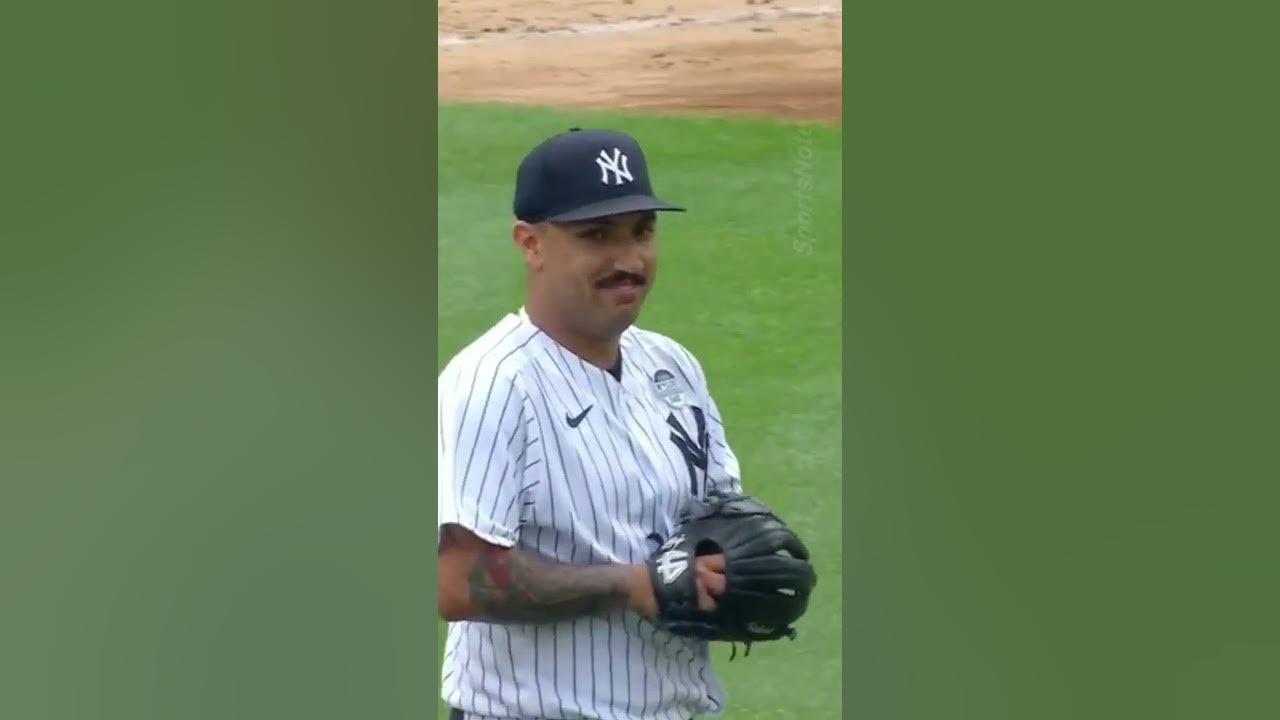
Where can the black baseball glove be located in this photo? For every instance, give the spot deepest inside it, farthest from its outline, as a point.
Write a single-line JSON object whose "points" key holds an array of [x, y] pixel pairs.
{"points": [[768, 577]]}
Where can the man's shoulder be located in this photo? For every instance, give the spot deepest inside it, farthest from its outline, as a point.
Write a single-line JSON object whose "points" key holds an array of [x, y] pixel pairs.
{"points": [[652, 339], [496, 356], [654, 348]]}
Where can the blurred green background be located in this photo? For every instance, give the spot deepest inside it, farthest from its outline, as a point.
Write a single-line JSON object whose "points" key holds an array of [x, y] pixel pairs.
{"points": [[1060, 362], [216, 399], [748, 280]]}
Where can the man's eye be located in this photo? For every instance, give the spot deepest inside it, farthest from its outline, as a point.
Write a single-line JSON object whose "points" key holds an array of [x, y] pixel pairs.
{"points": [[593, 234]]}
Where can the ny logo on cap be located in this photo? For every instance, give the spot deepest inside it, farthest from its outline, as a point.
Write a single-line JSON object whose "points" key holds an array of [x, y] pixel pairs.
{"points": [[616, 164]]}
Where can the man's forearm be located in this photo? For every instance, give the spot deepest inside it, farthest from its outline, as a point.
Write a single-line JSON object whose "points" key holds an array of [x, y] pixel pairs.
{"points": [[509, 586]]}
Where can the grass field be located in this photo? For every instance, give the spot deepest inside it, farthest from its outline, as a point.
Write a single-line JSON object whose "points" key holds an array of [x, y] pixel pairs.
{"points": [[749, 279]]}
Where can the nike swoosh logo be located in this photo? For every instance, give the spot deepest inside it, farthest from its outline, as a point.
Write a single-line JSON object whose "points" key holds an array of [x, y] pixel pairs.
{"points": [[576, 421]]}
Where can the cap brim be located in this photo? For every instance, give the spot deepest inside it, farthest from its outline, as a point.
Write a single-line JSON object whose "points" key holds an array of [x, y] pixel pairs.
{"points": [[615, 206]]}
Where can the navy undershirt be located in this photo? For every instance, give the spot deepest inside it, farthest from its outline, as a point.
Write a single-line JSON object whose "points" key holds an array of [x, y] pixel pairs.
{"points": [[616, 370]]}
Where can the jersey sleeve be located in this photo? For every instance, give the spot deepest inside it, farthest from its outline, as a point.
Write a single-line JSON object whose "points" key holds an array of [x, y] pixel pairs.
{"points": [[481, 454]]}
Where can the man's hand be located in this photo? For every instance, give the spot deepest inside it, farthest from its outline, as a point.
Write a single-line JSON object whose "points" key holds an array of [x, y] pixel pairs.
{"points": [[710, 581], [708, 578]]}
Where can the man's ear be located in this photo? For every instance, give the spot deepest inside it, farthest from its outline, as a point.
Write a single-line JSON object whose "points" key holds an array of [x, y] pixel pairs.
{"points": [[525, 235]]}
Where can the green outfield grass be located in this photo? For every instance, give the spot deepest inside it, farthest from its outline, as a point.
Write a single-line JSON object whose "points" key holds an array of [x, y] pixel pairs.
{"points": [[749, 279]]}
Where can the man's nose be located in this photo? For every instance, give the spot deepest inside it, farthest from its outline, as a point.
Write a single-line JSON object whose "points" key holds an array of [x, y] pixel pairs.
{"points": [[627, 258]]}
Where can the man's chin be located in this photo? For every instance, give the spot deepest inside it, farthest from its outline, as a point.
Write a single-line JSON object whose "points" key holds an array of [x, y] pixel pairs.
{"points": [[622, 318]]}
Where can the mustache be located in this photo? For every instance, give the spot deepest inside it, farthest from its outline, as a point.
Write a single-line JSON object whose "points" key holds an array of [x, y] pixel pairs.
{"points": [[621, 277]]}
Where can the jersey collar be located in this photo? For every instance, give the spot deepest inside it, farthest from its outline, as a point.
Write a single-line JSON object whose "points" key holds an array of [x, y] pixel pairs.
{"points": [[621, 382]]}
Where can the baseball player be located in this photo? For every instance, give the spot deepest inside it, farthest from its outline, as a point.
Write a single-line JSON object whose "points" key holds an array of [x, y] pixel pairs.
{"points": [[571, 444]]}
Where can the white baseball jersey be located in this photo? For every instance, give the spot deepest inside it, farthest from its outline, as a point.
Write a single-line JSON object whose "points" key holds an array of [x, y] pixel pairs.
{"points": [[544, 452]]}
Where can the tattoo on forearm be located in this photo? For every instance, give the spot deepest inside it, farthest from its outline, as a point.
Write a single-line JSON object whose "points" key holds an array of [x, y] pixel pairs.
{"points": [[508, 586]]}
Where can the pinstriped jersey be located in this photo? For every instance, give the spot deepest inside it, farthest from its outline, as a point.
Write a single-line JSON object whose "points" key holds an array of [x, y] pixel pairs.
{"points": [[541, 451]]}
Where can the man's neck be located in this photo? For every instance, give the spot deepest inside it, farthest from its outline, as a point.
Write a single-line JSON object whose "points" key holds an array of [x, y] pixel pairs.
{"points": [[603, 354]]}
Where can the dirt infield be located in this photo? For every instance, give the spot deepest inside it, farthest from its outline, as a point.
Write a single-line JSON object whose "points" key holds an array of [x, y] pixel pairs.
{"points": [[777, 58]]}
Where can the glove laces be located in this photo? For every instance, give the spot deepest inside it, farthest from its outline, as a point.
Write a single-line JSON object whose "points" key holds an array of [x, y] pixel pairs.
{"points": [[790, 635]]}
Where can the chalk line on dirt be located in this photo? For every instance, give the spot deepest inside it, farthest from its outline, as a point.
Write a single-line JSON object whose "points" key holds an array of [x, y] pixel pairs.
{"points": [[640, 25]]}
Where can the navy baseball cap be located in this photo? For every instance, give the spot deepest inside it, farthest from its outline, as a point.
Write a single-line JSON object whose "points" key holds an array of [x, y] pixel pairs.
{"points": [[584, 175]]}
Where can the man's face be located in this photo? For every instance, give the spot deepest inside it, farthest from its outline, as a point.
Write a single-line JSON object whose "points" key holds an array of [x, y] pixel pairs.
{"points": [[595, 273]]}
